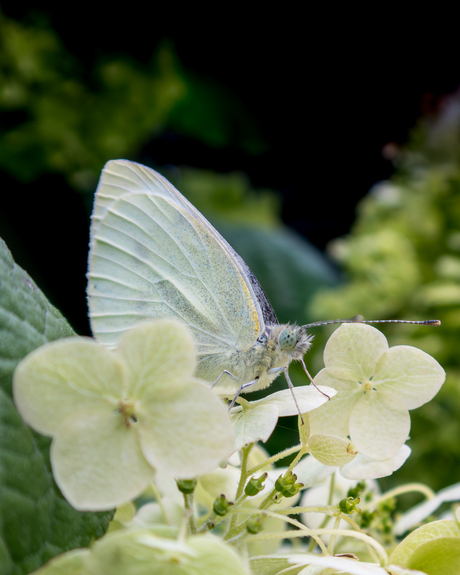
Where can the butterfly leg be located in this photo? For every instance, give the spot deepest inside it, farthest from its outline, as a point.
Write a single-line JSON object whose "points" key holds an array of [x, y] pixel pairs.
{"points": [[290, 385], [311, 379], [226, 373], [242, 388]]}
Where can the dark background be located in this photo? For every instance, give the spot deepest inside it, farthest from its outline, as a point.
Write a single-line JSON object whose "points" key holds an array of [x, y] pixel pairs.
{"points": [[323, 97]]}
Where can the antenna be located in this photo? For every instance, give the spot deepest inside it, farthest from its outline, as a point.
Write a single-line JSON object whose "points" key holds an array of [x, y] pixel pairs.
{"points": [[360, 319]]}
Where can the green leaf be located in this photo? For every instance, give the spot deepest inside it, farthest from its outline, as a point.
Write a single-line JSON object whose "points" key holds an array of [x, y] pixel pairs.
{"points": [[27, 319], [36, 523]]}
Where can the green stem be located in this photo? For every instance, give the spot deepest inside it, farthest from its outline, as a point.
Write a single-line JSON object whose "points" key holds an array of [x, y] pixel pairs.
{"points": [[356, 527], [332, 540], [188, 501], [297, 458], [408, 488], [383, 557], [159, 500], [274, 459], [325, 521], [240, 489]]}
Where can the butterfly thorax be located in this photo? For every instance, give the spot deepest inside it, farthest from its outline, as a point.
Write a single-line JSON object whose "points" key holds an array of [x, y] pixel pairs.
{"points": [[275, 348]]}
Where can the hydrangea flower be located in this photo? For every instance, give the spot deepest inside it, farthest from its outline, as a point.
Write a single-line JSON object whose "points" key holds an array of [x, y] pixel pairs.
{"points": [[255, 420], [147, 551], [376, 387], [117, 416]]}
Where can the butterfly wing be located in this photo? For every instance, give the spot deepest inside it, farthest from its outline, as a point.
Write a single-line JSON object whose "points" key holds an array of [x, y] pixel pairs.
{"points": [[153, 255]]}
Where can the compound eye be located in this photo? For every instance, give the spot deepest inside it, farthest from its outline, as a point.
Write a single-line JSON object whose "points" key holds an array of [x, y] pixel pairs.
{"points": [[287, 339]]}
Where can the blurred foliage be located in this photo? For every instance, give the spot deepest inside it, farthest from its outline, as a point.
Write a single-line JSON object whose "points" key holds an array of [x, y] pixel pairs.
{"points": [[54, 118], [402, 260], [58, 117]]}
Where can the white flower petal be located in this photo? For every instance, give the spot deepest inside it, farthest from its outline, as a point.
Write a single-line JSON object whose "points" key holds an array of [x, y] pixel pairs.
{"points": [[310, 472], [377, 429], [187, 432], [408, 377], [307, 396], [353, 351], [363, 467], [62, 377], [254, 424], [155, 352], [333, 417], [97, 462], [342, 564], [420, 512]]}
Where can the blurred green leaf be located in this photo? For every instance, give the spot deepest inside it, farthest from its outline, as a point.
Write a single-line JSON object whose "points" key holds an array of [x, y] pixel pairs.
{"points": [[54, 120], [36, 523]]}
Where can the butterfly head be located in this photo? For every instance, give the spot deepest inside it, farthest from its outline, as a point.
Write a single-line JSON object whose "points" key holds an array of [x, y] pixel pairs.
{"points": [[294, 340]]}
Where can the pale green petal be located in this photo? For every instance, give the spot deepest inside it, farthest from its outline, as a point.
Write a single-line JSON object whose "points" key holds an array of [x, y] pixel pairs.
{"points": [[211, 485], [377, 429], [69, 563], [363, 467], [326, 378], [341, 564], [331, 450], [307, 396], [143, 552], [254, 424], [353, 351], [140, 552], [216, 557], [97, 461], [155, 354], [408, 377], [333, 417], [187, 432], [423, 510], [436, 530], [62, 377]]}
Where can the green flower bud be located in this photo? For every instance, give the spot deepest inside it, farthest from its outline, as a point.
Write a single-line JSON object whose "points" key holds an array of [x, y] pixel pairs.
{"points": [[254, 525], [287, 486], [349, 505], [221, 505], [255, 486], [186, 485]]}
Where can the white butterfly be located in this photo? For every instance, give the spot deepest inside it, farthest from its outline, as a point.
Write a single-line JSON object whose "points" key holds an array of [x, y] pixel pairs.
{"points": [[153, 255]]}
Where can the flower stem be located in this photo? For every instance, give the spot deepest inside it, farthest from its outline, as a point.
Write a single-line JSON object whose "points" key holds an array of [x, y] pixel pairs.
{"points": [[274, 458], [188, 501], [408, 488], [159, 500]]}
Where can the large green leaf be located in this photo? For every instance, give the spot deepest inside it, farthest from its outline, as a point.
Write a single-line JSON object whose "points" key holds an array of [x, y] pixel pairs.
{"points": [[36, 523]]}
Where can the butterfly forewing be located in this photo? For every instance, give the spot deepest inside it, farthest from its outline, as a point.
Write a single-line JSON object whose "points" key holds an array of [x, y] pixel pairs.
{"points": [[151, 258]]}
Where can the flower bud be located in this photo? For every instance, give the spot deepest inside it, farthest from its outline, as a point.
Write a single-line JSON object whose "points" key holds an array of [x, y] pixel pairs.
{"points": [[255, 486], [349, 505], [254, 525], [221, 505], [286, 484], [186, 485]]}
